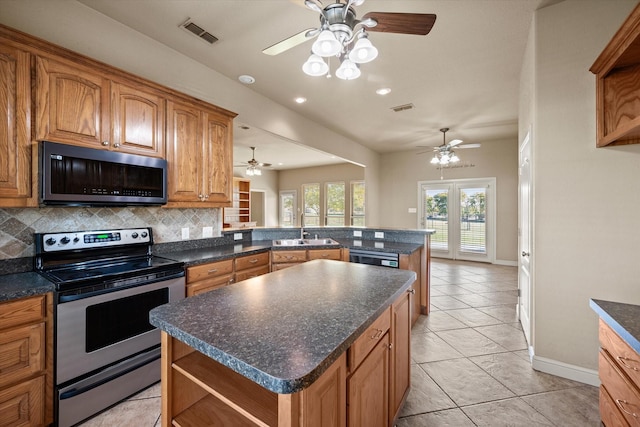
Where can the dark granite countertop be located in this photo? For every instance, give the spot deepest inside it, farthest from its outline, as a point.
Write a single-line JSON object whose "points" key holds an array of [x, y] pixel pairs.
{"points": [[380, 246], [624, 319], [282, 330], [21, 285], [217, 253]]}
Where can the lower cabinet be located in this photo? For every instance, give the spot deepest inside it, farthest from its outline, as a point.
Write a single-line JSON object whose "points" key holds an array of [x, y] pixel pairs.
{"points": [[618, 368], [207, 277], [26, 383], [288, 258]]}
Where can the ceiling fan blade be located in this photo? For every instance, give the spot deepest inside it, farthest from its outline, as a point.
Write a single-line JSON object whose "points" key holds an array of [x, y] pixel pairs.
{"points": [[290, 42], [469, 146], [402, 23], [264, 165], [455, 142]]}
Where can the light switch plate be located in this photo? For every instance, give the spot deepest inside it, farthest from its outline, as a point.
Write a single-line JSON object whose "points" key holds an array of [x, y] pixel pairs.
{"points": [[413, 210], [379, 245], [185, 233], [379, 235], [357, 233], [237, 236], [207, 232]]}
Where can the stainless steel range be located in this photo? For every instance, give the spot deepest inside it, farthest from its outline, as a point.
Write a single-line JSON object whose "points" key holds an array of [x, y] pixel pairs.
{"points": [[106, 281]]}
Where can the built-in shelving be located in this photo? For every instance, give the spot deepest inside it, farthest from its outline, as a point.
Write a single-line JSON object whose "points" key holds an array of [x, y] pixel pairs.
{"points": [[239, 214]]}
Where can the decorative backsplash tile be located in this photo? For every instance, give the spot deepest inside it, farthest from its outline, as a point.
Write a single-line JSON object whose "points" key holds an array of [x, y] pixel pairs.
{"points": [[18, 225]]}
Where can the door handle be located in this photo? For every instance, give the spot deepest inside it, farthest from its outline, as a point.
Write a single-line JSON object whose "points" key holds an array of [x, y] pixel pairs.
{"points": [[525, 253]]}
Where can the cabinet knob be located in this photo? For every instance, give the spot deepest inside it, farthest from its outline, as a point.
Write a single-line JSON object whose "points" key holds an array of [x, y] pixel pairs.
{"points": [[105, 143], [411, 291], [117, 144]]}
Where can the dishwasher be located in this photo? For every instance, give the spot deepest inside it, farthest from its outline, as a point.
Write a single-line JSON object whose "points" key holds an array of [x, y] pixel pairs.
{"points": [[384, 259]]}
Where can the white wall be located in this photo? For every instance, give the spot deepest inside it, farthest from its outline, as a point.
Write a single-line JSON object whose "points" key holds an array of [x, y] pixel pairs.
{"points": [[585, 220], [77, 27], [400, 173]]}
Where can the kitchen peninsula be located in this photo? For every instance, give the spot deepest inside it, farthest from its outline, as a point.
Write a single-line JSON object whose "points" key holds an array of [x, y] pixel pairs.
{"points": [[308, 345]]}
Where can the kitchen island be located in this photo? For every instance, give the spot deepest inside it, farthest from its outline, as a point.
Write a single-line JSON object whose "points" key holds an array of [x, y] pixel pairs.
{"points": [[308, 345]]}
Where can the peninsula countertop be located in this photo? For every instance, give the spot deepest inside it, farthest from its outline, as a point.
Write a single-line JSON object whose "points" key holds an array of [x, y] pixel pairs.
{"points": [[623, 318], [282, 330]]}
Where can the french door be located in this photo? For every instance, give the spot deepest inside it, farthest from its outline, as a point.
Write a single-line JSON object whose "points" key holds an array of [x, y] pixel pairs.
{"points": [[463, 214]]}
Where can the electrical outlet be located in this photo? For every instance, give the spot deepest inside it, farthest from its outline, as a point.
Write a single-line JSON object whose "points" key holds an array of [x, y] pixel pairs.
{"points": [[357, 243], [207, 232], [357, 233], [379, 235], [237, 236], [185, 233], [413, 210], [379, 245]]}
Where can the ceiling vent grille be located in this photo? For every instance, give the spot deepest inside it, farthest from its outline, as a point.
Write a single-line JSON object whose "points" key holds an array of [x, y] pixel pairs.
{"points": [[403, 107], [188, 25]]}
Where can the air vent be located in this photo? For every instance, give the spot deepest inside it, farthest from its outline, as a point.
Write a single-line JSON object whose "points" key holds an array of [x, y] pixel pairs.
{"points": [[199, 31], [403, 107]]}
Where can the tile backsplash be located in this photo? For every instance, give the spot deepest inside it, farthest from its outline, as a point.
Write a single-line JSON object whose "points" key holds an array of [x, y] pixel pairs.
{"points": [[18, 225]]}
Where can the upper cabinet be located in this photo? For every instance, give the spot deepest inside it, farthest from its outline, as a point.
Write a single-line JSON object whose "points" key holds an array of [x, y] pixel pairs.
{"points": [[617, 71], [17, 175], [82, 107], [199, 156]]}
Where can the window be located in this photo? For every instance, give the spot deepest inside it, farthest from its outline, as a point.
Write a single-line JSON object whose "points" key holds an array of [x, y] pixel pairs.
{"points": [[357, 203], [311, 204], [288, 208], [334, 192]]}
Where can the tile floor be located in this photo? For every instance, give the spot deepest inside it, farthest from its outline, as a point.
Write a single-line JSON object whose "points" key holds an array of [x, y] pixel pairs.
{"points": [[471, 366]]}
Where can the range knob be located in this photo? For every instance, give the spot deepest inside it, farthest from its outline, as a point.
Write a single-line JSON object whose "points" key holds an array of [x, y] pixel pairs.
{"points": [[76, 239], [65, 240], [50, 241], [134, 235], [144, 234]]}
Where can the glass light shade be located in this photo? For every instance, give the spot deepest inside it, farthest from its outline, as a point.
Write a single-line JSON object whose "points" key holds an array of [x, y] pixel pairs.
{"points": [[315, 66], [454, 158], [326, 44], [250, 171], [363, 51], [348, 70], [257, 172], [435, 160], [444, 159]]}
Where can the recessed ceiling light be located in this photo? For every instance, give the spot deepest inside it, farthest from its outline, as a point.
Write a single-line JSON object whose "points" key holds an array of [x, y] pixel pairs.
{"points": [[246, 79], [301, 100], [383, 91]]}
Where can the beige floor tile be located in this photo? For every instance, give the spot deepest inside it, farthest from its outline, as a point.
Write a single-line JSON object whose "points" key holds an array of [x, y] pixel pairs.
{"points": [[504, 313], [448, 418], [473, 317], [465, 383], [469, 342], [428, 347], [447, 303], [441, 321], [506, 335], [425, 395], [139, 413], [505, 413], [574, 407]]}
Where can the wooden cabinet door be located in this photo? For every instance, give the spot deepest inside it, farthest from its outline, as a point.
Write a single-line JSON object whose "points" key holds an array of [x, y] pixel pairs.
{"points": [[137, 121], [399, 368], [23, 404], [218, 146], [15, 131], [324, 401], [368, 389], [184, 153], [71, 105]]}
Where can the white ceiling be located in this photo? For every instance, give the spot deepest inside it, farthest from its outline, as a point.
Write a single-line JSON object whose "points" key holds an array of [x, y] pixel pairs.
{"points": [[463, 75]]}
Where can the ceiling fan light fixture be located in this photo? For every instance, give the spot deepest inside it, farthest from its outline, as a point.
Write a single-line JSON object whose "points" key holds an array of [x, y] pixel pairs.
{"points": [[363, 51], [454, 158], [315, 66], [348, 70], [326, 44], [435, 160]]}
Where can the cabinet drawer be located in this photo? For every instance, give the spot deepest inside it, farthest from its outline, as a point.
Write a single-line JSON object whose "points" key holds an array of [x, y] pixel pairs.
{"points": [[254, 272], [21, 353], [252, 261], [624, 356], [289, 256], [209, 284], [23, 404], [27, 310], [368, 340], [624, 395], [609, 413], [283, 265], [213, 269], [325, 254]]}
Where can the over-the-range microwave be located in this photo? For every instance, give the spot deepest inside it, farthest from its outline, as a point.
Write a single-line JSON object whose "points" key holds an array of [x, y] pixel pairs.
{"points": [[79, 176]]}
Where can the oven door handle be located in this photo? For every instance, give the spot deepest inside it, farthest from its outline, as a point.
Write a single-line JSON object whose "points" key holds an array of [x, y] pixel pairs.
{"points": [[118, 370]]}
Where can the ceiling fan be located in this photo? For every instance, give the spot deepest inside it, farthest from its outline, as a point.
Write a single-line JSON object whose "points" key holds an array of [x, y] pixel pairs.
{"points": [[444, 153], [253, 166], [342, 35]]}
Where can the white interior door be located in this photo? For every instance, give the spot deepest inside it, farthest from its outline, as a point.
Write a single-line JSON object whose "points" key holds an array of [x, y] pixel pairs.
{"points": [[463, 214], [525, 300]]}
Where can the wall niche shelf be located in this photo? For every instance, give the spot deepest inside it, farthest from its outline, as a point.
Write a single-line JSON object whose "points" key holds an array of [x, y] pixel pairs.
{"points": [[617, 71]]}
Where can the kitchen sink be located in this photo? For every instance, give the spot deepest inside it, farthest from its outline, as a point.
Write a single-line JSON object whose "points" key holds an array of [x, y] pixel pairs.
{"points": [[304, 242]]}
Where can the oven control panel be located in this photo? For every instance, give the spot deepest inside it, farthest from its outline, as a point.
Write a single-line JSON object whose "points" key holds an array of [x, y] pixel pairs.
{"points": [[55, 242]]}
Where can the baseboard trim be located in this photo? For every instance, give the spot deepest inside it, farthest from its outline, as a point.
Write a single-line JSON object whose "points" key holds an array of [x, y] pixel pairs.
{"points": [[564, 370], [505, 262]]}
